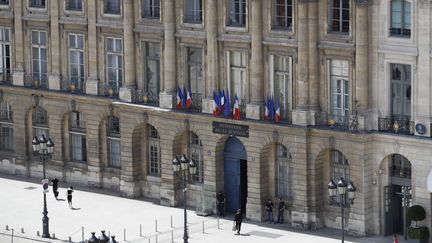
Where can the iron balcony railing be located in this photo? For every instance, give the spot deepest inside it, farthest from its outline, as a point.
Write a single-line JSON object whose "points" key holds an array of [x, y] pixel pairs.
{"points": [[74, 86], [143, 97], [35, 82], [196, 102], [110, 89], [396, 124], [5, 78], [324, 119]]}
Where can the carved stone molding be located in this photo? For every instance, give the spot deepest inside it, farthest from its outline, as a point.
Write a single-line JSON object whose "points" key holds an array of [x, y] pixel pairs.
{"points": [[424, 3], [361, 2], [73, 105], [332, 142], [275, 136]]}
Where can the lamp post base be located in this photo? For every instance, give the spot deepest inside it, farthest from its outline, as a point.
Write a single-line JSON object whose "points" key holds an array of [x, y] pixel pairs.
{"points": [[45, 233]]}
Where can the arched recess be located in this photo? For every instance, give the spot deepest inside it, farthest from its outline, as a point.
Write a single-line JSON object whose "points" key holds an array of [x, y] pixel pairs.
{"points": [[395, 182], [74, 137], [6, 127]]}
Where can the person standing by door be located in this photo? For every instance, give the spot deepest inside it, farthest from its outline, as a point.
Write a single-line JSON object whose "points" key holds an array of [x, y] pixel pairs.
{"points": [[55, 182], [220, 201], [395, 239], [238, 219], [281, 210], [69, 196], [269, 207]]}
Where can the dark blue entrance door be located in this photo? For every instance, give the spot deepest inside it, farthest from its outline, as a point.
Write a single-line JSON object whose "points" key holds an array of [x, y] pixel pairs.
{"points": [[234, 175]]}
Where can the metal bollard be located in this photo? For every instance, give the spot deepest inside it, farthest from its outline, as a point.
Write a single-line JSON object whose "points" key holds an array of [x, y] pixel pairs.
{"points": [[172, 236], [12, 235], [70, 239], [82, 233], [53, 236], [140, 230], [37, 233], [7, 227], [171, 222], [124, 234], [156, 225], [203, 227], [156, 239], [22, 231], [218, 223]]}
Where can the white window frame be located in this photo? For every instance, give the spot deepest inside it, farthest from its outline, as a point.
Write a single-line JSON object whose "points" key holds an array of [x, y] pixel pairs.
{"points": [[68, 9], [197, 13], [195, 85], [147, 60], [105, 8], [113, 138], [402, 15], [340, 19], [275, 16], [80, 66], [244, 96], [38, 8], [118, 80], [155, 10], [196, 154], [42, 78], [286, 104], [243, 16], [77, 129], [5, 60], [284, 175], [154, 165], [340, 112]]}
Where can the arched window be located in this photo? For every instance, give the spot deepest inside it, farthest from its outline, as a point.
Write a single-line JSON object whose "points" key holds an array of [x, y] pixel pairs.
{"points": [[154, 156], [6, 127], [400, 167], [283, 160], [113, 140], [77, 132], [40, 122], [195, 154], [340, 169]]}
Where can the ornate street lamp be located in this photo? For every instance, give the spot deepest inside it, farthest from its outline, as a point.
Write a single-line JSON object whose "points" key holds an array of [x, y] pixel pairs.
{"points": [[183, 165], [45, 148]]}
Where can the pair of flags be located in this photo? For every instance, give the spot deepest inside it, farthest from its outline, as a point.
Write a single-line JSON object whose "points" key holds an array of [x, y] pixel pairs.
{"points": [[184, 100], [272, 109], [221, 104]]}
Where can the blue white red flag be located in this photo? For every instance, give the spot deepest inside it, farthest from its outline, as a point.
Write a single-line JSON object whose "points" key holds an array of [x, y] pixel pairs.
{"points": [[222, 101], [277, 111], [188, 99], [236, 109], [215, 104], [227, 105], [179, 98]]}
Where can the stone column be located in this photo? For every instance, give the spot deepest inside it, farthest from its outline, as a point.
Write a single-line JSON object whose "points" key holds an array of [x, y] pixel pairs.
{"points": [[253, 109], [129, 52], [166, 98], [422, 85], [300, 115], [92, 79], [361, 61], [18, 72], [212, 71], [313, 58], [54, 75]]}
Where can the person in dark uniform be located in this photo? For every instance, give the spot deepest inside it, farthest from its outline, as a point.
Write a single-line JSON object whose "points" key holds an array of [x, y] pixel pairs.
{"points": [[281, 210], [55, 182], [269, 207], [238, 219], [69, 196], [220, 201]]}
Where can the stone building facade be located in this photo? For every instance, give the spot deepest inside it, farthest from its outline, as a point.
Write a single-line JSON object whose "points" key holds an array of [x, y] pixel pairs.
{"points": [[100, 77]]}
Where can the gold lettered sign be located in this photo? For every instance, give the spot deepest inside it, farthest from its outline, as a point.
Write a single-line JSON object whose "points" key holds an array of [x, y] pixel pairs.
{"points": [[231, 129]]}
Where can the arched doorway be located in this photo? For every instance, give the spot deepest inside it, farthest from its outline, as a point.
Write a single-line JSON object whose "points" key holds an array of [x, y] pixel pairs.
{"points": [[235, 175], [397, 194]]}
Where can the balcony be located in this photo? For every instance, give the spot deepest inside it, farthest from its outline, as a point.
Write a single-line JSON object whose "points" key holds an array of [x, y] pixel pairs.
{"points": [[35, 82], [110, 90], [324, 119], [196, 102], [6, 78], [6, 116], [74, 87], [396, 124], [143, 97]]}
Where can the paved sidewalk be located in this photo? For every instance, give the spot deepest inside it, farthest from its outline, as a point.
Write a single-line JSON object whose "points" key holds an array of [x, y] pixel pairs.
{"points": [[22, 203]]}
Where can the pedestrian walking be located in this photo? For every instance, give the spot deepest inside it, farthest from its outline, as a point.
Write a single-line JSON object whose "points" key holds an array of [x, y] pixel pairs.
{"points": [[220, 201], [238, 219], [54, 183], [281, 210], [269, 207], [69, 196], [395, 239]]}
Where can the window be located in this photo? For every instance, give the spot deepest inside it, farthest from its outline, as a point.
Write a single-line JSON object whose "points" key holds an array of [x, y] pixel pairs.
{"points": [[400, 18], [114, 63], [76, 60], [193, 11], [152, 71], [113, 137], [74, 5], [281, 85], [237, 75], [401, 91], [340, 169], [4, 2], [283, 160], [195, 150], [339, 16], [39, 57], [400, 166], [154, 155], [78, 137], [151, 9], [5, 55], [37, 3], [339, 78], [112, 6], [6, 127], [40, 122], [237, 13], [282, 17], [194, 73]]}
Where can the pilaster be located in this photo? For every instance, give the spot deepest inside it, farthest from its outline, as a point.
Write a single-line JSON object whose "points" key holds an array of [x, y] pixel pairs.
{"points": [[18, 72], [92, 81], [362, 55], [54, 76], [129, 52]]}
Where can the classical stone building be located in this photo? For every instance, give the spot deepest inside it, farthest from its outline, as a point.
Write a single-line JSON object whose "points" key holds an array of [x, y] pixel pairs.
{"points": [[100, 77]]}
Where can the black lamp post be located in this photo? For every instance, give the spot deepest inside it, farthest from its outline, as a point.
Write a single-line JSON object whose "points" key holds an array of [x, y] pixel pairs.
{"points": [[183, 165], [45, 147], [343, 191]]}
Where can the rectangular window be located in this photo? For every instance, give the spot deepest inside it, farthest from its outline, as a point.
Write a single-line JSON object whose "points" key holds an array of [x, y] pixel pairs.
{"points": [[154, 149], [401, 92], [237, 75], [193, 11], [79, 151], [6, 141], [339, 78], [282, 17], [74, 5], [281, 76], [114, 152], [4, 2], [39, 57], [112, 6], [400, 18], [194, 73], [151, 9], [114, 63], [237, 13], [76, 60], [39, 131], [339, 16], [152, 71], [5, 55], [37, 3]]}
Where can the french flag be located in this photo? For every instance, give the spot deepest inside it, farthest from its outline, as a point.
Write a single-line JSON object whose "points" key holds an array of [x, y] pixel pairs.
{"points": [[266, 112], [179, 98], [215, 104], [277, 112], [271, 109], [227, 105], [222, 101], [188, 99], [236, 109]]}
